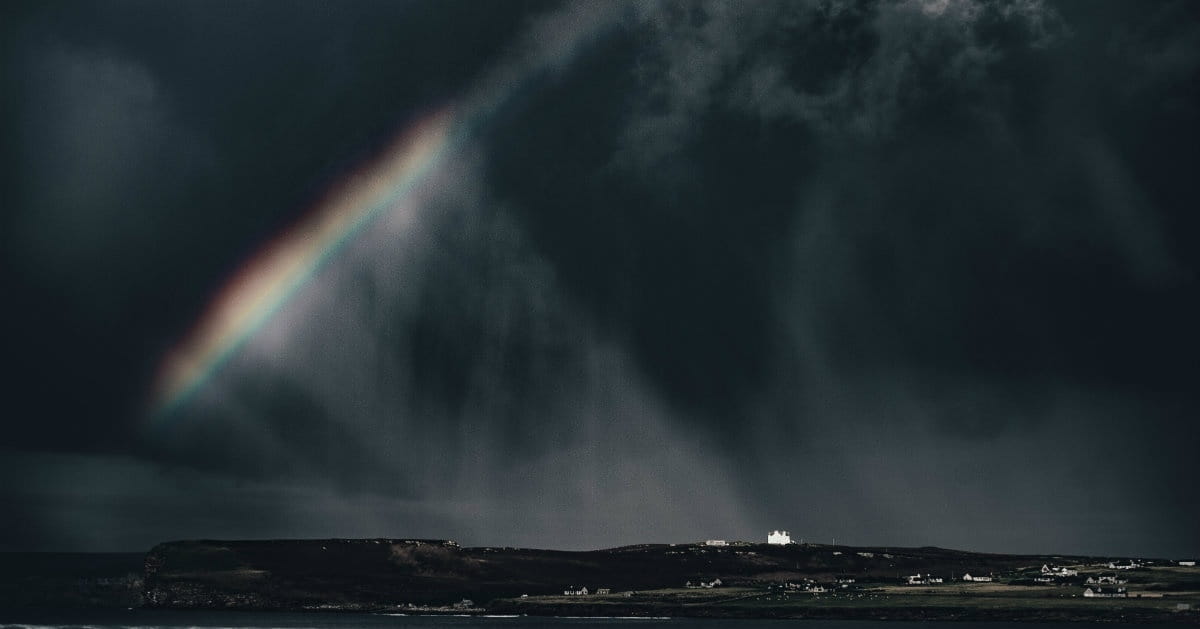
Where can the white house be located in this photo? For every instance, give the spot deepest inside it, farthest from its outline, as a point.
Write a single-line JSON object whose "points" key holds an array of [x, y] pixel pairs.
{"points": [[779, 538], [1106, 579], [715, 542], [575, 591], [1130, 565], [1188, 563], [1103, 593], [979, 579], [918, 579]]}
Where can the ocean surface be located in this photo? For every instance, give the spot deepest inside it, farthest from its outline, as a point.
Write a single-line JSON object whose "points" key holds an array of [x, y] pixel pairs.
{"points": [[154, 619]]}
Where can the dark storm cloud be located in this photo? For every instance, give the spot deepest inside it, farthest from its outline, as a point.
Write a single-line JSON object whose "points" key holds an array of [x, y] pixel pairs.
{"points": [[102, 157], [945, 208], [899, 273], [156, 146], [922, 219]]}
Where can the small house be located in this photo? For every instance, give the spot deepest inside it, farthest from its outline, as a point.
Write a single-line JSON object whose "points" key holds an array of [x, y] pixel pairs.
{"points": [[1103, 593]]}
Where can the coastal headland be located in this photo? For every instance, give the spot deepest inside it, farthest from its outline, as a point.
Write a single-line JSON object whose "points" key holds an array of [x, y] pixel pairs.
{"points": [[733, 579]]}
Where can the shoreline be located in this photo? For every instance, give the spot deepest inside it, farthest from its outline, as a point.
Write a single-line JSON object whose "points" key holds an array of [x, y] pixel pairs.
{"points": [[503, 610]]}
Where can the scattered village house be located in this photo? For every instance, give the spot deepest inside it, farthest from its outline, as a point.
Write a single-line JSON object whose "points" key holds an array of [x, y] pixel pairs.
{"points": [[575, 591], [1059, 571], [918, 579], [603, 590], [981, 578], [1106, 579], [1129, 565], [715, 542], [1188, 563], [1103, 593], [779, 538]]}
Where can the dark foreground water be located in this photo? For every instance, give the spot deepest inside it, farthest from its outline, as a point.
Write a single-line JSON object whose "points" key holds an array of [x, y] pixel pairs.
{"points": [[155, 619]]}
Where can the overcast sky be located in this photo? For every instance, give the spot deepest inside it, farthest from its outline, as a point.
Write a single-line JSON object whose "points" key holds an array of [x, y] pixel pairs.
{"points": [[907, 273]]}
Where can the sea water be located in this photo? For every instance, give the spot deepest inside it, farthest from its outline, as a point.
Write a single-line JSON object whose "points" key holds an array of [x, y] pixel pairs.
{"points": [[161, 619]]}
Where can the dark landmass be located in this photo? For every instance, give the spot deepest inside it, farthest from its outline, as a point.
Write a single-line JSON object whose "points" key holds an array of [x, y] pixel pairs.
{"points": [[71, 580], [739, 580]]}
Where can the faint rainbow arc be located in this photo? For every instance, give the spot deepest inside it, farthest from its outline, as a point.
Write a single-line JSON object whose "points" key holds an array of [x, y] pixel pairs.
{"points": [[267, 280]]}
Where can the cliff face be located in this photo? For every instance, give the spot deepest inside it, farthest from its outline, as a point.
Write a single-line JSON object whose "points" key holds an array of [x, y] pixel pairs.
{"points": [[384, 573], [291, 574]]}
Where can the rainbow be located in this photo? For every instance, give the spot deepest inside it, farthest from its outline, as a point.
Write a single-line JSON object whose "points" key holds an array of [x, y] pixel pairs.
{"points": [[270, 278], [266, 281]]}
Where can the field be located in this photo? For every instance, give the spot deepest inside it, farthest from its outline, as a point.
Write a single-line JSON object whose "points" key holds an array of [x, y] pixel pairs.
{"points": [[1154, 594]]}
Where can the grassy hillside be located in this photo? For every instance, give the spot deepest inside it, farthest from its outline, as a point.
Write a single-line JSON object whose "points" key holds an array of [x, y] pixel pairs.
{"points": [[757, 580]]}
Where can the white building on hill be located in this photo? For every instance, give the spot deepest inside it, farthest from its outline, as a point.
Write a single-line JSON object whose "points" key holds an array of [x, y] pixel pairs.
{"points": [[779, 538]]}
